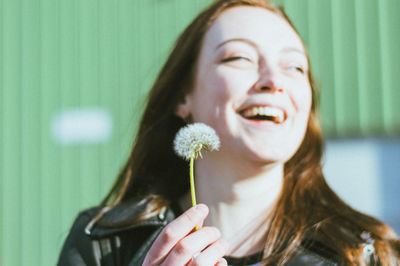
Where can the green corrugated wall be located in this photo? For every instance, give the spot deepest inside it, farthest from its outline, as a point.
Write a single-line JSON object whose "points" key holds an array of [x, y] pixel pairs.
{"points": [[60, 55]]}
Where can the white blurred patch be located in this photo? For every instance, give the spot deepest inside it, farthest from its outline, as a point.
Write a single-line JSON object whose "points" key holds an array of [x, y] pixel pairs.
{"points": [[81, 125], [352, 170]]}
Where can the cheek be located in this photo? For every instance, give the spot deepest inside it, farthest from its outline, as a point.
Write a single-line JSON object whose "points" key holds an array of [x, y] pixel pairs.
{"points": [[209, 98], [302, 98], [304, 101], [232, 85], [222, 87]]}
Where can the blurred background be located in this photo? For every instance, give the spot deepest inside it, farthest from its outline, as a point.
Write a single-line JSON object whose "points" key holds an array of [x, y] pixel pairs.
{"points": [[73, 80]]}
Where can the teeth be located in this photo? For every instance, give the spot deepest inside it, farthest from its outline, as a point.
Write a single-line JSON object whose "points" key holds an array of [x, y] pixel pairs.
{"points": [[276, 113]]}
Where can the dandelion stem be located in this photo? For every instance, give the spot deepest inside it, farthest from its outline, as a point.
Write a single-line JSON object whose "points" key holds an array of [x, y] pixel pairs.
{"points": [[192, 189]]}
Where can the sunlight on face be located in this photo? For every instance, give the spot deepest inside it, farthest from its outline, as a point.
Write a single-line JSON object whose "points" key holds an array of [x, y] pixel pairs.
{"points": [[252, 85]]}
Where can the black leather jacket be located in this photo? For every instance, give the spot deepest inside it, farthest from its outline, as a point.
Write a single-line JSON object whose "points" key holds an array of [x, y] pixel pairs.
{"points": [[92, 242]]}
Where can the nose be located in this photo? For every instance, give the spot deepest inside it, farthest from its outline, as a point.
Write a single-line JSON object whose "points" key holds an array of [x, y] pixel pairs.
{"points": [[267, 82]]}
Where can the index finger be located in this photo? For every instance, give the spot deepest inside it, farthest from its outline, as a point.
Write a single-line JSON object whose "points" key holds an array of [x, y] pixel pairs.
{"points": [[175, 231]]}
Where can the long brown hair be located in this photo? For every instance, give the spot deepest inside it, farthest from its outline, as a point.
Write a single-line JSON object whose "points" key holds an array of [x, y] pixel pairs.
{"points": [[307, 209]]}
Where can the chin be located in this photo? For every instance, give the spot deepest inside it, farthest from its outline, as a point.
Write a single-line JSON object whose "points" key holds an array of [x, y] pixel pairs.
{"points": [[271, 160], [269, 156]]}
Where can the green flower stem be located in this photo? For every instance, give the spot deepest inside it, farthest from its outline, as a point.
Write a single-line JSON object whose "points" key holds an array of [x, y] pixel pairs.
{"points": [[192, 189]]}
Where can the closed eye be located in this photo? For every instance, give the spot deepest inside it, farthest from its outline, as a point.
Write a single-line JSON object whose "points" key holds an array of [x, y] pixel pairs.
{"points": [[298, 69], [234, 58]]}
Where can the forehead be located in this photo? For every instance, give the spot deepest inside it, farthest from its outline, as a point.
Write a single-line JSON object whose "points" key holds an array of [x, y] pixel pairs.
{"points": [[263, 27]]}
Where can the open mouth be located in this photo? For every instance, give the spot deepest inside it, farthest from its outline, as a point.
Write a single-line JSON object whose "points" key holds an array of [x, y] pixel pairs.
{"points": [[264, 113]]}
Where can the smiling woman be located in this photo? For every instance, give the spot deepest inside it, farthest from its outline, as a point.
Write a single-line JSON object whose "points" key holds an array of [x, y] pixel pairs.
{"points": [[241, 68]]}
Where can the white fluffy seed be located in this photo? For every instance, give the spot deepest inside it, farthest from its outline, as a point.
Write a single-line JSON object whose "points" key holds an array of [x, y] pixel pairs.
{"points": [[192, 138]]}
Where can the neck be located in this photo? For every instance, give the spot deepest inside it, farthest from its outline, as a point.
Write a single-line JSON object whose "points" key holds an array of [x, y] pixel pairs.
{"points": [[240, 199]]}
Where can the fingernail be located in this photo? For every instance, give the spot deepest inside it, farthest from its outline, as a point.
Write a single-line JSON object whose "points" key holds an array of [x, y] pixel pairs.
{"points": [[203, 209], [223, 261]]}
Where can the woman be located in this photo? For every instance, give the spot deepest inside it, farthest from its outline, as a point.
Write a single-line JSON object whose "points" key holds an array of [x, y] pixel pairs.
{"points": [[241, 68]]}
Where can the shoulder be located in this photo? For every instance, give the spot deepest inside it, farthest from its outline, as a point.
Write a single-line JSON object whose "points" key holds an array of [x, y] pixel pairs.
{"points": [[127, 216], [314, 253], [115, 229], [77, 248]]}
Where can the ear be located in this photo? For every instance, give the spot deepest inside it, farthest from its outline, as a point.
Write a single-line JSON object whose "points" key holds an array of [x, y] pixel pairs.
{"points": [[182, 110]]}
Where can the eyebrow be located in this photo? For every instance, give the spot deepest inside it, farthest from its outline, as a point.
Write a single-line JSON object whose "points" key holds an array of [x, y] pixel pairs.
{"points": [[251, 43], [293, 49], [238, 40]]}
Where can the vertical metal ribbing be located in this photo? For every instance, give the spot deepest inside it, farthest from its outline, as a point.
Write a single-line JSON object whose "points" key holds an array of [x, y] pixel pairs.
{"points": [[11, 132], [50, 87], [389, 37], [2, 94], [30, 99]]}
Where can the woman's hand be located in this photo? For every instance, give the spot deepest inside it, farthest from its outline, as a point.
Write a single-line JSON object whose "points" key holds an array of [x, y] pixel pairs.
{"points": [[180, 244]]}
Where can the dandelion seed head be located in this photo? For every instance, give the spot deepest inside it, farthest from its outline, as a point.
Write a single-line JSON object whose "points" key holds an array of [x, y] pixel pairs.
{"points": [[191, 139]]}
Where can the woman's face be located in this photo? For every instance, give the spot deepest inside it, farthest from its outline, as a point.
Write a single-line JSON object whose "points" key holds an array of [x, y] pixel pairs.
{"points": [[252, 85]]}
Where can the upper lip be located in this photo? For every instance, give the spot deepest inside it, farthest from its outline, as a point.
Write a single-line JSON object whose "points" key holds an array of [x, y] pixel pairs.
{"points": [[260, 103]]}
